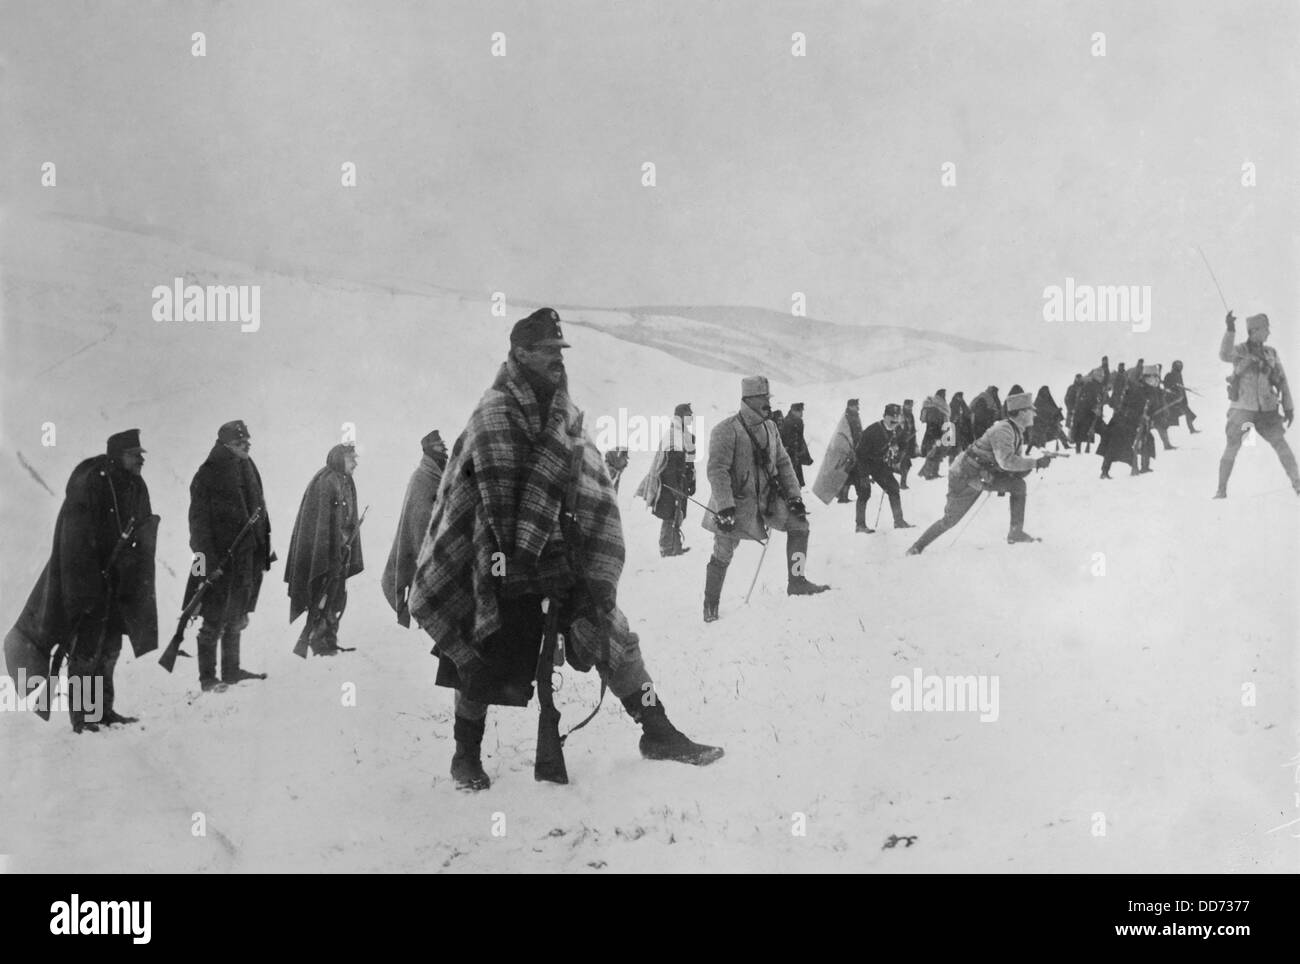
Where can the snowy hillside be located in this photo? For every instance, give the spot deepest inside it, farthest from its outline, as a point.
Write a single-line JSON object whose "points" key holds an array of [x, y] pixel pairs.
{"points": [[1120, 693]]}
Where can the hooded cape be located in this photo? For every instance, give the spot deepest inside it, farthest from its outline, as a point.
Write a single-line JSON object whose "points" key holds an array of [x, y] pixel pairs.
{"points": [[412, 526], [837, 463], [326, 517], [99, 503]]}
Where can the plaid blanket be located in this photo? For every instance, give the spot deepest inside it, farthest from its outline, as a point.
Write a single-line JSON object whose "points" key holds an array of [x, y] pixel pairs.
{"points": [[495, 530]]}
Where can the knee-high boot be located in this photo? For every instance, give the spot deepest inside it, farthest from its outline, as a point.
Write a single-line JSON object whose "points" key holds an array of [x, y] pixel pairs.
{"points": [[796, 558], [231, 672], [111, 715], [467, 763], [207, 655], [714, 574], [1017, 532], [860, 517]]}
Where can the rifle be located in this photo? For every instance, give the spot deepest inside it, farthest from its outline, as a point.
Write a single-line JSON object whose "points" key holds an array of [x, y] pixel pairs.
{"points": [[68, 651], [168, 659], [327, 590], [548, 765]]}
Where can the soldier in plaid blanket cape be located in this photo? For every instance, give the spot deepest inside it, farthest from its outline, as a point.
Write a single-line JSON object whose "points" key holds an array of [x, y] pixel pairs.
{"points": [[495, 551]]}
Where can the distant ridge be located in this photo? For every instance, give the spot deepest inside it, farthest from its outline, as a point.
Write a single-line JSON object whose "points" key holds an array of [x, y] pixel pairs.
{"points": [[744, 339]]}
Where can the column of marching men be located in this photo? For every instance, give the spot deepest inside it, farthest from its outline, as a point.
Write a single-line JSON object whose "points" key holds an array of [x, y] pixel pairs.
{"points": [[756, 473], [509, 548]]}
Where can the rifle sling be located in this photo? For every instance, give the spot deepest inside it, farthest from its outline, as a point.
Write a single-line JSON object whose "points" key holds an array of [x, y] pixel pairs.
{"points": [[590, 716]]}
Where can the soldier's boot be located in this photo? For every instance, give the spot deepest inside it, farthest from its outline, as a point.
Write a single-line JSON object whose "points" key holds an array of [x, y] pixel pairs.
{"points": [[335, 623], [796, 557], [714, 573], [231, 672], [1191, 424], [678, 548], [896, 507], [111, 716], [660, 740], [666, 537], [319, 638], [325, 636], [467, 763], [1017, 532], [77, 699], [79, 722], [860, 519], [207, 659]]}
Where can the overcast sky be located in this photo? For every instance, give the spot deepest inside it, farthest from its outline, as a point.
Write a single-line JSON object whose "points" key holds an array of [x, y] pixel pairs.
{"points": [[776, 173]]}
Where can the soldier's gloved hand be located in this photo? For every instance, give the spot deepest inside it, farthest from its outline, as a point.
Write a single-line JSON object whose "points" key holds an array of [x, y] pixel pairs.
{"points": [[1289, 417], [216, 574], [690, 480], [796, 506], [726, 520], [1231, 321], [1043, 461]]}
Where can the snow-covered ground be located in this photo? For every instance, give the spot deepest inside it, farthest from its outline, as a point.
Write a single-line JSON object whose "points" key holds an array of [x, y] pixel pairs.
{"points": [[1124, 646]]}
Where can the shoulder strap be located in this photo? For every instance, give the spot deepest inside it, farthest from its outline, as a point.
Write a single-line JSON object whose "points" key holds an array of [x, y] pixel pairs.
{"points": [[760, 465]]}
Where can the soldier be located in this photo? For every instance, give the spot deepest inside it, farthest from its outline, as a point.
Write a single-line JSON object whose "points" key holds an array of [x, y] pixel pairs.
{"points": [[753, 487], [97, 585], [224, 494], [413, 524], [324, 552], [993, 463], [940, 433], [1118, 388], [1088, 411], [1127, 435], [907, 442], [793, 440], [1178, 392], [1047, 423], [984, 411], [876, 449], [498, 550], [935, 411], [963, 431], [1072, 400], [1256, 386], [853, 421], [671, 480]]}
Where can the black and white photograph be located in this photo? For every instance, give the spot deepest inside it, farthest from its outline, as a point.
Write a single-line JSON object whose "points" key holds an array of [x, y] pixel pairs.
{"points": [[596, 437]]}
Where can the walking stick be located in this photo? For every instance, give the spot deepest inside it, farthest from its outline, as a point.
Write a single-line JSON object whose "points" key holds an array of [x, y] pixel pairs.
{"points": [[970, 516], [756, 570], [880, 507]]}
